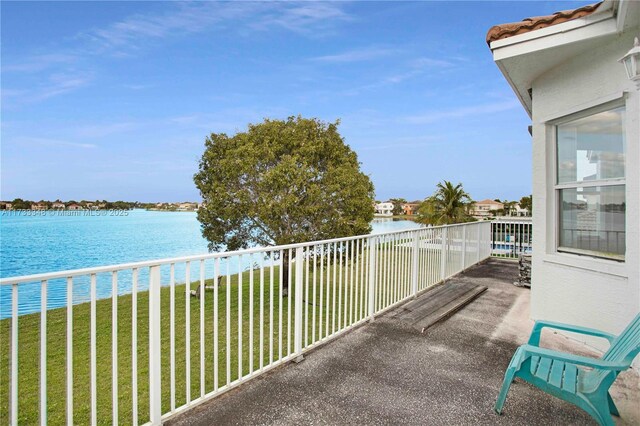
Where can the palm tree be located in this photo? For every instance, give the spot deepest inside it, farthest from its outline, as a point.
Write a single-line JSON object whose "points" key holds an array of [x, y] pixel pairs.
{"points": [[449, 204]]}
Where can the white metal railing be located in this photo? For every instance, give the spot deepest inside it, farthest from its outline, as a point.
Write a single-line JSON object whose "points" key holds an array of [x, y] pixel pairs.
{"points": [[153, 350], [511, 237]]}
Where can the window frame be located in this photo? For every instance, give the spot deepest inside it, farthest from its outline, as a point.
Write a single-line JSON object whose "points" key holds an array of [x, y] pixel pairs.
{"points": [[557, 187]]}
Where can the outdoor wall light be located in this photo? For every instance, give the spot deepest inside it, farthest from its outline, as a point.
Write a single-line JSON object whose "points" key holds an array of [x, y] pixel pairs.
{"points": [[631, 62]]}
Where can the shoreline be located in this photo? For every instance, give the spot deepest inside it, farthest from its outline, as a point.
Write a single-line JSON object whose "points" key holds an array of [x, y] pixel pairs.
{"points": [[412, 217]]}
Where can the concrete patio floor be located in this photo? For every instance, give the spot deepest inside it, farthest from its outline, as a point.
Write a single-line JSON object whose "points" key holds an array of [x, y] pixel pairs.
{"points": [[384, 373]]}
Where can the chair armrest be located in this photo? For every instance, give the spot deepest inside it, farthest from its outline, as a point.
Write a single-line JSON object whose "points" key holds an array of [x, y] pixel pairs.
{"points": [[534, 338], [571, 359]]}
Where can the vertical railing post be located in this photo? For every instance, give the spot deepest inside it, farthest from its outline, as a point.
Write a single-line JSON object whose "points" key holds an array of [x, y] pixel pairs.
{"points": [[43, 352], [14, 355], [155, 383], [297, 331], [371, 245], [414, 263], [479, 226], [464, 248], [492, 230], [443, 254]]}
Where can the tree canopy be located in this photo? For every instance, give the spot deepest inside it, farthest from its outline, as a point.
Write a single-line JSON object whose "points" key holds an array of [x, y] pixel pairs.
{"points": [[526, 203], [397, 205], [281, 182], [449, 204], [20, 204]]}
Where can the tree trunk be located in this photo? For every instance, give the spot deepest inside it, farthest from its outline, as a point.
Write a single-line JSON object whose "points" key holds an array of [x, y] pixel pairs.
{"points": [[285, 273]]}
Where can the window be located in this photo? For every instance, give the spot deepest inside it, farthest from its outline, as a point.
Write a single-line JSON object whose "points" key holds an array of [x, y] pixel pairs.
{"points": [[590, 187]]}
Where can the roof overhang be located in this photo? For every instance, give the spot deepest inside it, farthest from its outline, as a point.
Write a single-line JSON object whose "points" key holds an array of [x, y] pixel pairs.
{"points": [[523, 58]]}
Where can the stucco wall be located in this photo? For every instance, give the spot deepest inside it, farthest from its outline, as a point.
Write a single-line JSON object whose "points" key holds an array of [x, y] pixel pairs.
{"points": [[582, 290]]}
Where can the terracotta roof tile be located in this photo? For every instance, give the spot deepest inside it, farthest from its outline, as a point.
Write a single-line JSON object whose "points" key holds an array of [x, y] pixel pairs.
{"points": [[487, 201], [502, 31]]}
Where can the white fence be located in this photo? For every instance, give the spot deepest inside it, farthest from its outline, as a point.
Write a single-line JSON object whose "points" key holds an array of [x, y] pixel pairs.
{"points": [[511, 237], [150, 350]]}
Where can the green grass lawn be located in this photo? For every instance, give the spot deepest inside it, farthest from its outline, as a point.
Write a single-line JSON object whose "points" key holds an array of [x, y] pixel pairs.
{"points": [[29, 339]]}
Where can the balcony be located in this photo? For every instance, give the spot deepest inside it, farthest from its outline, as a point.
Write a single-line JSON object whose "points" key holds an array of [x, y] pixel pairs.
{"points": [[387, 373], [131, 344]]}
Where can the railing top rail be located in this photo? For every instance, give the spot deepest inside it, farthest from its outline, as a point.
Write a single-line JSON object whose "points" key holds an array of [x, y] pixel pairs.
{"points": [[196, 257], [511, 219]]}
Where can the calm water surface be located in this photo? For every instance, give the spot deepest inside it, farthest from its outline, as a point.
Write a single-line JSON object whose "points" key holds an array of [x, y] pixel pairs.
{"points": [[54, 242]]}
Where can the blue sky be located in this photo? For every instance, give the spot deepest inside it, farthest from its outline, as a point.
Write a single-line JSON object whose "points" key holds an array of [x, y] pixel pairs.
{"points": [[113, 100]]}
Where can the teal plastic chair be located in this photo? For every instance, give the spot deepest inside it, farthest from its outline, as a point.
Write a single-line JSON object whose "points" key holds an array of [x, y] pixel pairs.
{"points": [[565, 376]]}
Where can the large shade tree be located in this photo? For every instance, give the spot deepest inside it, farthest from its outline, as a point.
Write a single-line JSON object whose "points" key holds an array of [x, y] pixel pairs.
{"points": [[449, 204], [281, 182]]}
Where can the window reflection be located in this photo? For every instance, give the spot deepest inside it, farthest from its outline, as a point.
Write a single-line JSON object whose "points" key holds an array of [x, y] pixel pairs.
{"points": [[592, 148], [593, 219]]}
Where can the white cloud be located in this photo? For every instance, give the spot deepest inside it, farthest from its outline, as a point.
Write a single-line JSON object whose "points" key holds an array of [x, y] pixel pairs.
{"points": [[431, 63], [133, 32], [397, 146], [229, 119], [54, 142], [137, 86], [62, 83], [357, 55], [128, 36], [40, 62], [130, 32], [412, 69], [309, 18], [418, 67], [462, 112], [185, 119], [102, 130], [57, 84]]}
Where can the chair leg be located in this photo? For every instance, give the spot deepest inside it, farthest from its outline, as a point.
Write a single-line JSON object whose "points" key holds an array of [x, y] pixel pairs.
{"points": [[598, 408], [509, 375], [612, 407], [605, 418]]}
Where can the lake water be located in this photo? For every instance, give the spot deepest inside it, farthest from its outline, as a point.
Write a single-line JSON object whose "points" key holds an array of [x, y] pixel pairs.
{"points": [[54, 241]]}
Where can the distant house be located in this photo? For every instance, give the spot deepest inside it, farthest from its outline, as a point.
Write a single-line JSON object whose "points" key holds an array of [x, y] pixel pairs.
{"points": [[519, 211], [58, 205], [411, 208], [102, 205], [184, 207], [575, 76], [74, 207], [384, 209], [5, 206], [38, 206], [483, 209]]}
